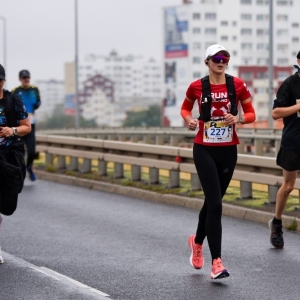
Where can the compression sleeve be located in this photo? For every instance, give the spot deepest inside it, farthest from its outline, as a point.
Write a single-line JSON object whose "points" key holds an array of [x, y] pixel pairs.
{"points": [[249, 112], [186, 108]]}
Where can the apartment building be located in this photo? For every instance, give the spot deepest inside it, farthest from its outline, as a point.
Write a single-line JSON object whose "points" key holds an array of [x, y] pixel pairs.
{"points": [[242, 26], [137, 82], [52, 95]]}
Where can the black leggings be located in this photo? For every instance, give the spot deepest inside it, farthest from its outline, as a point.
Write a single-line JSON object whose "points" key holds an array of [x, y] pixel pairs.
{"points": [[29, 140], [8, 202], [215, 166]]}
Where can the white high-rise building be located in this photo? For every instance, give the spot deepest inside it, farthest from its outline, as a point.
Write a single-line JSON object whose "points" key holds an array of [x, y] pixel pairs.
{"points": [[52, 94], [137, 83], [241, 26]]}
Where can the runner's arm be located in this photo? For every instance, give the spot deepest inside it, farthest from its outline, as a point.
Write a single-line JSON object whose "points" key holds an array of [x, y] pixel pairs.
{"points": [[249, 112], [282, 112], [24, 127], [283, 104], [186, 113], [186, 109]]}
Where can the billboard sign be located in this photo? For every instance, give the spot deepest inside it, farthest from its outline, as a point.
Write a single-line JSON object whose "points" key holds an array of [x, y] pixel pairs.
{"points": [[70, 104], [175, 28]]}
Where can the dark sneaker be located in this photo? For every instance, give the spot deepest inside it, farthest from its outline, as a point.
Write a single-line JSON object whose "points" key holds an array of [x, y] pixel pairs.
{"points": [[276, 238], [31, 174]]}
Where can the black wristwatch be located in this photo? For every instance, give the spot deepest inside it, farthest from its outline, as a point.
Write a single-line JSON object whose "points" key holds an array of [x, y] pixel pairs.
{"points": [[15, 131]]}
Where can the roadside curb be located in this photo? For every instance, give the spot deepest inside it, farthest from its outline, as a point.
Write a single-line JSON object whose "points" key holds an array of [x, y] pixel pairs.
{"points": [[228, 209]]}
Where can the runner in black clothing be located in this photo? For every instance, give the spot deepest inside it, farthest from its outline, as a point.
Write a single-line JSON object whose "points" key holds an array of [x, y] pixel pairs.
{"points": [[287, 106], [14, 122], [31, 98]]}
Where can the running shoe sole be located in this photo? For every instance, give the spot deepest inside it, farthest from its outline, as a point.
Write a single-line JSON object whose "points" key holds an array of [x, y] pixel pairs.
{"points": [[270, 227], [191, 259], [223, 274]]}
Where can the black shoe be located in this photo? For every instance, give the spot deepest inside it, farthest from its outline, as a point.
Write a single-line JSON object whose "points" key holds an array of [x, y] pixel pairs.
{"points": [[276, 238]]}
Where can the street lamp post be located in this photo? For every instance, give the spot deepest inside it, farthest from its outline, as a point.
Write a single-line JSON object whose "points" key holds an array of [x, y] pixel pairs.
{"points": [[4, 42], [76, 68], [271, 69]]}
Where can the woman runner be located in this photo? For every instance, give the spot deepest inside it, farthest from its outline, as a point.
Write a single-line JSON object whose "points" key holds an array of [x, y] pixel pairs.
{"points": [[215, 148]]}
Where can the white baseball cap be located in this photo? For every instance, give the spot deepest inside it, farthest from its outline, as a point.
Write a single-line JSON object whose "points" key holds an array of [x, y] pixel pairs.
{"points": [[214, 49]]}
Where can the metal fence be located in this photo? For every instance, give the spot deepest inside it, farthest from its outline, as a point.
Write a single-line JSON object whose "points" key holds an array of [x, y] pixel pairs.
{"points": [[250, 169], [262, 142]]}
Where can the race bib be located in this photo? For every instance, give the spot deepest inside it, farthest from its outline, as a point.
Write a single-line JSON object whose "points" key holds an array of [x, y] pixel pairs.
{"points": [[217, 132], [31, 118]]}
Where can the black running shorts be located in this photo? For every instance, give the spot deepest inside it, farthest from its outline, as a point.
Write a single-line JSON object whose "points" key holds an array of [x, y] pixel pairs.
{"points": [[288, 160]]}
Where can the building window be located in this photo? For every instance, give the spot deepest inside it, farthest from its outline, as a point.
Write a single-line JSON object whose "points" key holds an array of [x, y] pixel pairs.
{"points": [[261, 75], [196, 30], [234, 23], [196, 16], [261, 90], [282, 75], [261, 17], [282, 61], [246, 1], [196, 46], [234, 38], [224, 38], [282, 32], [282, 2], [295, 25], [246, 75], [234, 53], [247, 61], [210, 31], [262, 46], [282, 47], [196, 74], [261, 32], [196, 60], [224, 23], [246, 17], [246, 46], [246, 31], [210, 16], [295, 39], [282, 17]]}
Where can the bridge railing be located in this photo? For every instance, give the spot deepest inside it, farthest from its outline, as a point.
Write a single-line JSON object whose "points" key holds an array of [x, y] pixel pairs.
{"points": [[252, 141], [250, 169]]}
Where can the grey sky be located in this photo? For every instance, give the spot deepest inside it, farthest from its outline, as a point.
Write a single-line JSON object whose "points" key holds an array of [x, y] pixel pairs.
{"points": [[41, 32]]}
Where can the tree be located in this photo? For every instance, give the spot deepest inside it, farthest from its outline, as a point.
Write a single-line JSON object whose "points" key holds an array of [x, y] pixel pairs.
{"points": [[60, 120], [146, 118]]}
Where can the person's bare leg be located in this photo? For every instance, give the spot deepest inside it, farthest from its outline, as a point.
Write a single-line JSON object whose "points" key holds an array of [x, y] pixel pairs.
{"points": [[289, 179]]}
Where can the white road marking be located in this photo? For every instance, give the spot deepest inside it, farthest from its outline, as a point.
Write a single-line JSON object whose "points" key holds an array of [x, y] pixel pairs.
{"points": [[65, 280]]}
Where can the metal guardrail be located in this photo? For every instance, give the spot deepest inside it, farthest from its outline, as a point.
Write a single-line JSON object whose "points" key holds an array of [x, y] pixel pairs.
{"points": [[255, 141], [250, 169]]}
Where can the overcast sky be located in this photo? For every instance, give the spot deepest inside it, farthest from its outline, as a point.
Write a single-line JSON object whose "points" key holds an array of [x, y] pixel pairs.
{"points": [[40, 33]]}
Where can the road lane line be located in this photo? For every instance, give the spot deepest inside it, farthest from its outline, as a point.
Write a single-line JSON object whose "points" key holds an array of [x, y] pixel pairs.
{"points": [[63, 279]]}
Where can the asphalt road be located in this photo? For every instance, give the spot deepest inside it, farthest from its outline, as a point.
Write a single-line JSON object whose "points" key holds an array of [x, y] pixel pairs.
{"points": [[132, 249]]}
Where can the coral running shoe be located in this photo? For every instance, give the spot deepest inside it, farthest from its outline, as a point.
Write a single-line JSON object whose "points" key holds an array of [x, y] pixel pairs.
{"points": [[276, 237], [196, 258], [217, 270]]}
